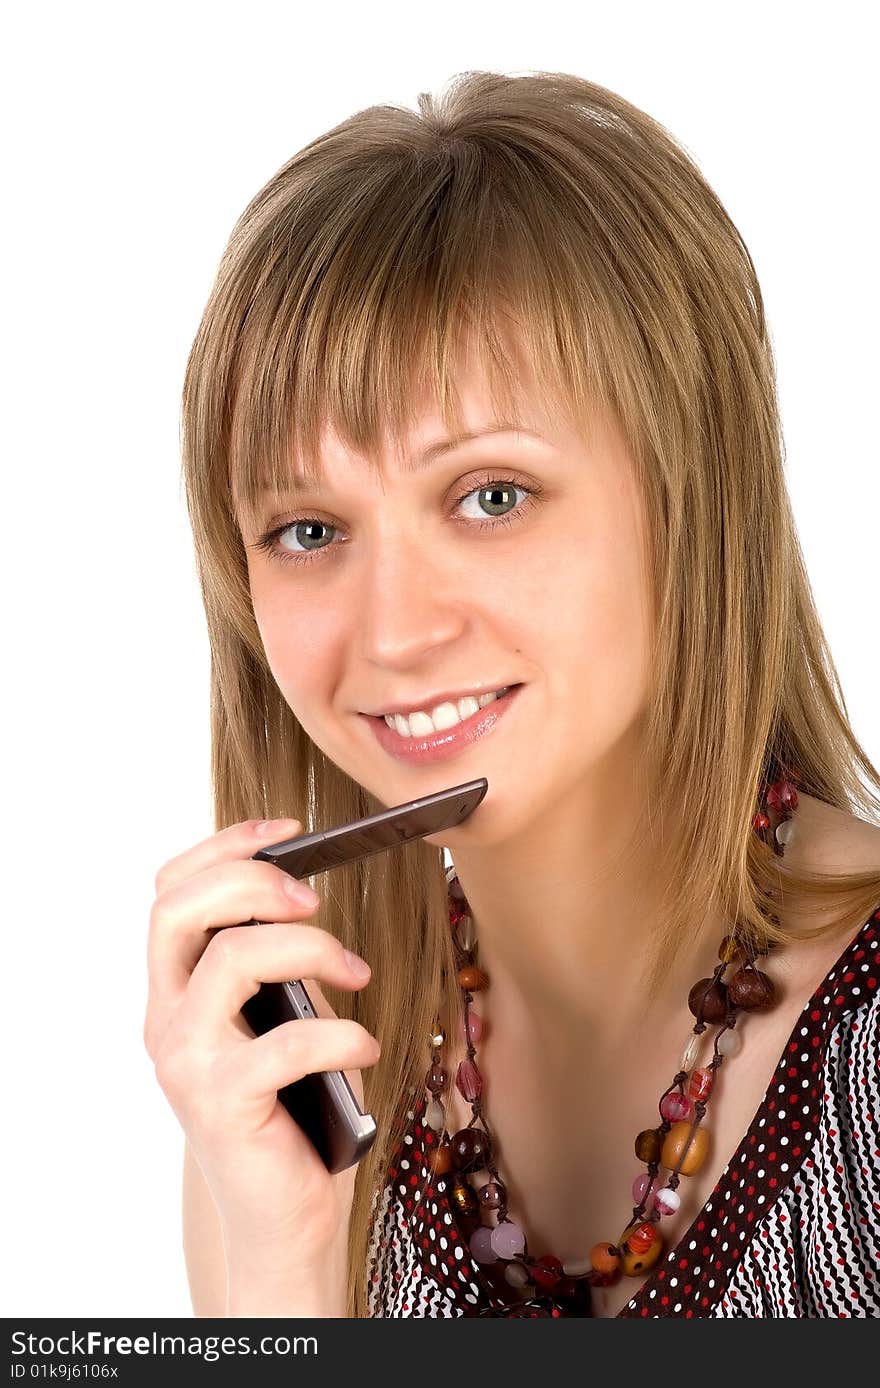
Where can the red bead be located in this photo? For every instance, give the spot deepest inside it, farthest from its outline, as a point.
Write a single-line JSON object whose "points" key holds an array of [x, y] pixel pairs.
{"points": [[471, 1149], [469, 1081], [436, 1079], [675, 1106], [546, 1272], [751, 990], [700, 1085], [492, 1195], [708, 1001], [782, 796], [760, 821]]}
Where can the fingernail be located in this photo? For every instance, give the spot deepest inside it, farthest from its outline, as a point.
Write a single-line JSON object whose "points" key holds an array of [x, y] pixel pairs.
{"points": [[301, 891], [357, 965]]}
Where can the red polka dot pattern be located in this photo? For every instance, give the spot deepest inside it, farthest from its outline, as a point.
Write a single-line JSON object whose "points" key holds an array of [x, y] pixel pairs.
{"points": [[720, 1265]]}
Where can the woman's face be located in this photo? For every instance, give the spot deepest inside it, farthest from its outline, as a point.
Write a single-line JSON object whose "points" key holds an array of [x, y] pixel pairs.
{"points": [[398, 594]]}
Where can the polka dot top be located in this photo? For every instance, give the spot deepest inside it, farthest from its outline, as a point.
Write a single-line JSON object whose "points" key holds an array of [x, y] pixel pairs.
{"points": [[791, 1229]]}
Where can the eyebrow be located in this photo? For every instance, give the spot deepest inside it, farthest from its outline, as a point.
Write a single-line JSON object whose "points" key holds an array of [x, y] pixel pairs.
{"points": [[440, 447]]}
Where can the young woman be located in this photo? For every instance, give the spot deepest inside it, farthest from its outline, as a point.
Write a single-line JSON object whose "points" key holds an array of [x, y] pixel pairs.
{"points": [[480, 422]]}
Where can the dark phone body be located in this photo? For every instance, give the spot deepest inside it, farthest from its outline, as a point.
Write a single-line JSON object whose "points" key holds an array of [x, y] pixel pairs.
{"points": [[323, 1104]]}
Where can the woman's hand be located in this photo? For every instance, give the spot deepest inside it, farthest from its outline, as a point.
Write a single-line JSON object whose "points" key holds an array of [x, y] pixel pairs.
{"points": [[279, 1207]]}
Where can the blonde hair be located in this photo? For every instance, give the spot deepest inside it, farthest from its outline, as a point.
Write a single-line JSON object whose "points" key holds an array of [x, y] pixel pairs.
{"points": [[551, 203]]}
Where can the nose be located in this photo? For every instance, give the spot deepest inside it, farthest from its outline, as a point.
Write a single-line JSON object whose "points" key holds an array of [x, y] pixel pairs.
{"points": [[409, 605]]}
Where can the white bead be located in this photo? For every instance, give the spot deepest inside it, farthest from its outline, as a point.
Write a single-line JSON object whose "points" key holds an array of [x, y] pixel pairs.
{"points": [[668, 1201], [466, 933], [516, 1275], [437, 1039], [577, 1267], [729, 1043], [435, 1116], [690, 1052], [785, 831]]}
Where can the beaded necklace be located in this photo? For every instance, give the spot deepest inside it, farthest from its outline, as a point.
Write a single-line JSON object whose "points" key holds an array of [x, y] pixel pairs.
{"points": [[678, 1143]]}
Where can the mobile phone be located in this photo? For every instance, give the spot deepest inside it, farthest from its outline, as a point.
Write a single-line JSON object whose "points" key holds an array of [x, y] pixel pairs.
{"points": [[323, 1104]]}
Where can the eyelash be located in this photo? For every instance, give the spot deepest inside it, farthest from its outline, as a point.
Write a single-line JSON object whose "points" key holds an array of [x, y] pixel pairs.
{"points": [[267, 543]]}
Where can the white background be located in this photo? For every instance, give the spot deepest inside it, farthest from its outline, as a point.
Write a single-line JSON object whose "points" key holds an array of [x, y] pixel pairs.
{"points": [[134, 137]]}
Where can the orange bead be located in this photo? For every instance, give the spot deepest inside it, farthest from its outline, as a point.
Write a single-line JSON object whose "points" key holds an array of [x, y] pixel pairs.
{"points": [[605, 1258], [472, 978], [637, 1259], [681, 1146], [440, 1160]]}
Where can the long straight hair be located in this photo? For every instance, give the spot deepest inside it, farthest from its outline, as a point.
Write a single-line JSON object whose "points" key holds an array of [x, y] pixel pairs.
{"points": [[550, 207]]}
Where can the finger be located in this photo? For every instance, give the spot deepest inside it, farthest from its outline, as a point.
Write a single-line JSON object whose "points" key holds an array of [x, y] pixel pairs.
{"points": [[294, 1049], [241, 840], [184, 917], [239, 959]]}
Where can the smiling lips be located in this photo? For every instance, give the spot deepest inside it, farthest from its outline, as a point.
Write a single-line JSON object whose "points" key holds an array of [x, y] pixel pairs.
{"points": [[442, 716], [417, 743]]}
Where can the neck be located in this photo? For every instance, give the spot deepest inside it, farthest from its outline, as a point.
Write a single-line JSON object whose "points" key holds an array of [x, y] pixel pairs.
{"points": [[564, 928]]}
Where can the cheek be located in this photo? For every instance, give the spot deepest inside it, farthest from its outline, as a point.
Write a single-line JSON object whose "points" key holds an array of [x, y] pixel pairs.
{"points": [[299, 643], [600, 625]]}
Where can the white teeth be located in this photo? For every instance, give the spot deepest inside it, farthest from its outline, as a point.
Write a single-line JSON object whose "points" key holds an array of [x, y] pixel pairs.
{"points": [[421, 724]]}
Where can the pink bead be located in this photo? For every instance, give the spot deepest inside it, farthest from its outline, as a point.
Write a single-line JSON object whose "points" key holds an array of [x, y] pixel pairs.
{"points": [[640, 1188], [675, 1106], [667, 1201], [508, 1240], [469, 1081], [481, 1245], [472, 1030]]}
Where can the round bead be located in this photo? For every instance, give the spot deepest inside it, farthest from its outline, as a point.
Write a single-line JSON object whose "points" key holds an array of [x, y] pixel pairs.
{"points": [[472, 978], [728, 949], [708, 1000], [436, 1079], [634, 1264], [435, 1116], [480, 1244], [785, 832], [700, 1085], [440, 1160], [751, 990], [675, 1106], [648, 1144], [546, 1272], [508, 1240], [462, 1195], [643, 1189], [492, 1195], [466, 933], [471, 1149], [640, 1238], [604, 1258], [437, 1040], [516, 1275], [760, 821], [667, 1201], [472, 1026], [782, 797], [680, 1146], [729, 1042], [577, 1267], [469, 1081]]}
